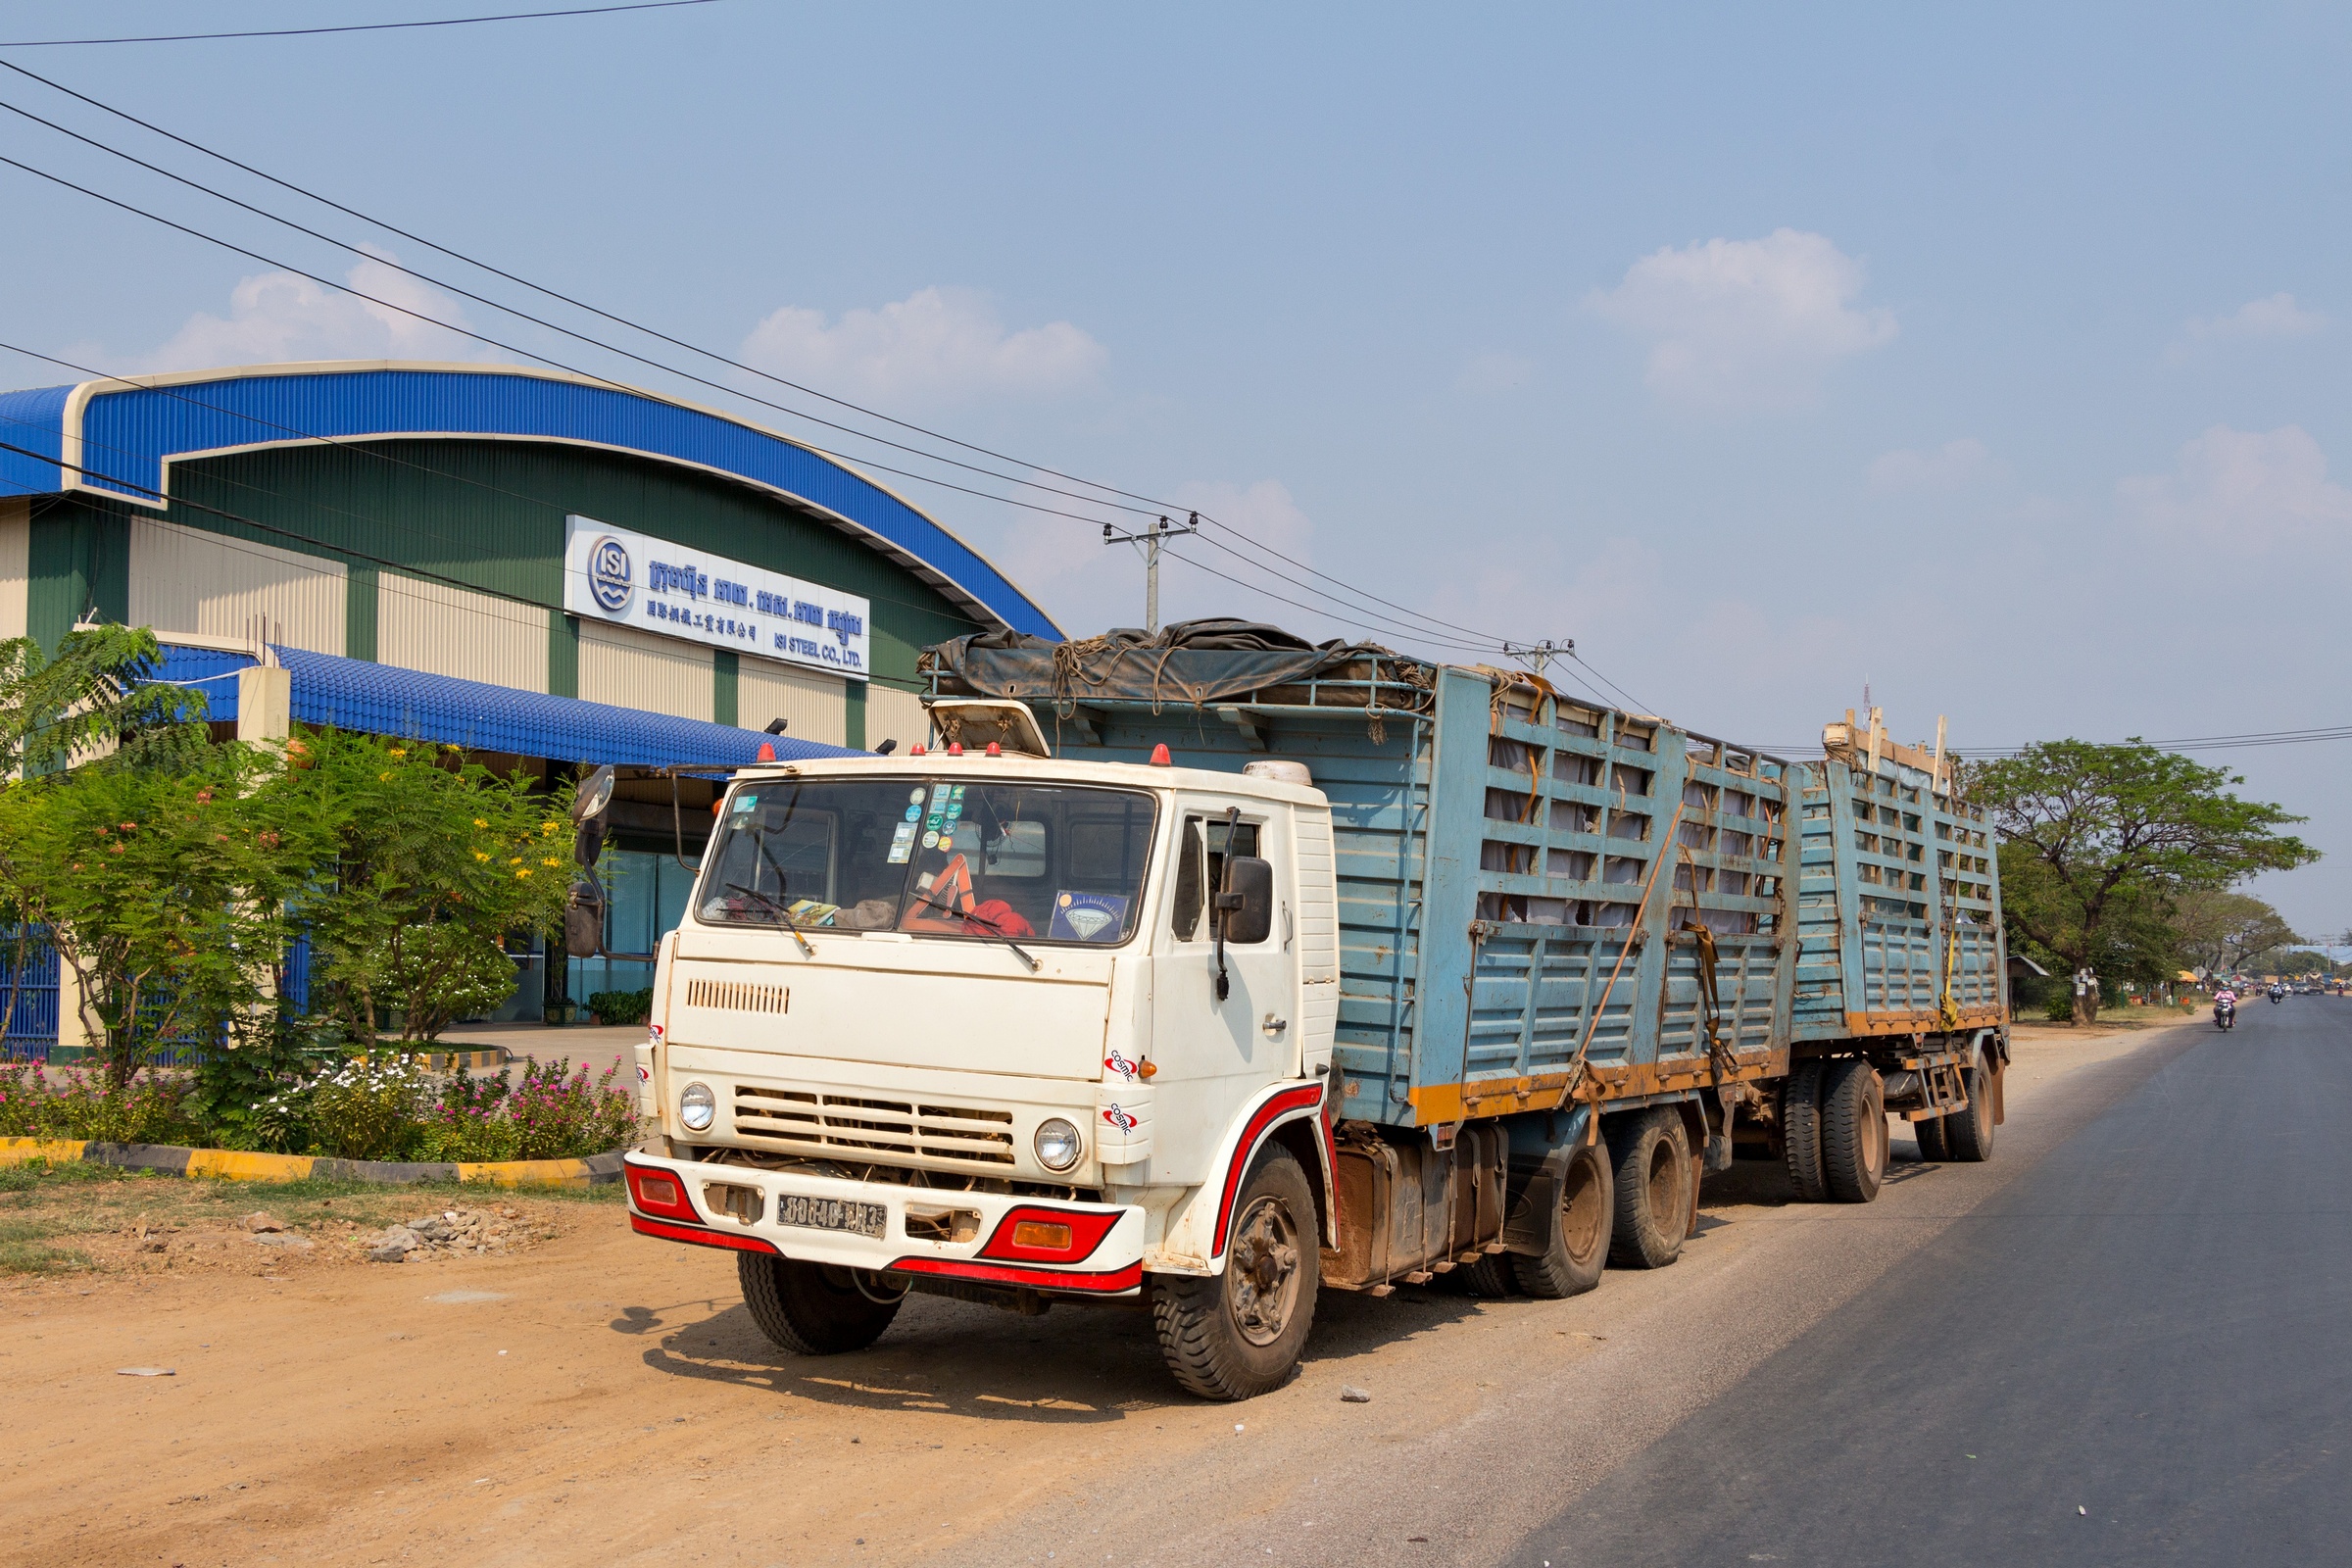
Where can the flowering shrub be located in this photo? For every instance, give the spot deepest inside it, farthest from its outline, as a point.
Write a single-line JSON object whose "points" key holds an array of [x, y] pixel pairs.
{"points": [[38, 1101], [550, 1111], [360, 1108]]}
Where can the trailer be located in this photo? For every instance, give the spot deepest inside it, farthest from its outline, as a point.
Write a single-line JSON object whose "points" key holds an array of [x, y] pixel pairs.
{"points": [[1498, 975]]}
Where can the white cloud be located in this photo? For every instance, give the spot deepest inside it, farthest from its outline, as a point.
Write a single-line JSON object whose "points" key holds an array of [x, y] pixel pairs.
{"points": [[2275, 318], [1746, 323], [2246, 488], [936, 346], [275, 317], [1949, 467], [1494, 371]]}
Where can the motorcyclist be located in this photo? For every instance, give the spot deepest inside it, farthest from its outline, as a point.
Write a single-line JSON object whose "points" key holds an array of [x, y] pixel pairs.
{"points": [[2277, 993], [2224, 1006]]}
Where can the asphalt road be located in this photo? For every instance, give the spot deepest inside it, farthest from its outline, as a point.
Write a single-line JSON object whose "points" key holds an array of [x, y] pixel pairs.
{"points": [[2136, 1352]]}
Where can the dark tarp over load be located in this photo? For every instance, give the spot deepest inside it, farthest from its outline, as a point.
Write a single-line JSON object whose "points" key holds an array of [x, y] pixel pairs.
{"points": [[1193, 661]]}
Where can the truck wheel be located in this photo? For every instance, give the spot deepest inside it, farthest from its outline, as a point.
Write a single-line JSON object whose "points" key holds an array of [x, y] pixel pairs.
{"points": [[1489, 1276], [812, 1309], [1853, 1131], [1580, 1239], [1932, 1144], [1800, 1130], [1969, 1133], [1239, 1334], [1652, 1189]]}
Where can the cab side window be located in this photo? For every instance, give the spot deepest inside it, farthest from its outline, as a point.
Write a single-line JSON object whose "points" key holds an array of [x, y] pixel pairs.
{"points": [[1200, 850]]}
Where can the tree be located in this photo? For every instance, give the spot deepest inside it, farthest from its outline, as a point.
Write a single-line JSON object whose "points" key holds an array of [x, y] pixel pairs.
{"points": [[2092, 835], [2221, 931], [96, 696], [433, 862], [163, 891]]}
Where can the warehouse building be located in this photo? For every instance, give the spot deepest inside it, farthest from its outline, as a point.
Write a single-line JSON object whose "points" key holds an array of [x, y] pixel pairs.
{"points": [[543, 567]]}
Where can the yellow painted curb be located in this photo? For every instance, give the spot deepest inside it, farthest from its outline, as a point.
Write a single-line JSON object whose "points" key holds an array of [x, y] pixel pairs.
{"points": [[526, 1172], [17, 1150], [238, 1166]]}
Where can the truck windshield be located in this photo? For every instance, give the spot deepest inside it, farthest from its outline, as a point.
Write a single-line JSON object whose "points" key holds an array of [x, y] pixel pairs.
{"points": [[1039, 863]]}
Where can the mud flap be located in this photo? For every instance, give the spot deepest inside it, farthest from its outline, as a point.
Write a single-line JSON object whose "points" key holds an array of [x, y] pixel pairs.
{"points": [[1537, 1213]]}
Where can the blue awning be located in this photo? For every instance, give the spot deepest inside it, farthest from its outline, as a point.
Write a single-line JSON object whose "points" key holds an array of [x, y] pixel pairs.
{"points": [[353, 694]]}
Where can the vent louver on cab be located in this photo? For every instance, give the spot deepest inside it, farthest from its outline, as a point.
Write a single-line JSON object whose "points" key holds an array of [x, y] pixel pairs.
{"points": [[738, 996], [819, 1120]]}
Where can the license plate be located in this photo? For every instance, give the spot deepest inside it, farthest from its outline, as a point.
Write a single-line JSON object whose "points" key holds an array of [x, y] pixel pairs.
{"points": [[830, 1214]]}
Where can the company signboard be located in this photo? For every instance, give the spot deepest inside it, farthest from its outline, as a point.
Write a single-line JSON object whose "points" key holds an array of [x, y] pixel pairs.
{"points": [[630, 579]]}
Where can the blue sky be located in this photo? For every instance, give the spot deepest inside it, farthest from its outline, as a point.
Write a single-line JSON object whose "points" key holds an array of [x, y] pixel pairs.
{"points": [[1996, 358]]}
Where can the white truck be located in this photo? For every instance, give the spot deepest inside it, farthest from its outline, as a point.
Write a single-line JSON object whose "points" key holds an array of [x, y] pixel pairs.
{"points": [[1021, 1027]]}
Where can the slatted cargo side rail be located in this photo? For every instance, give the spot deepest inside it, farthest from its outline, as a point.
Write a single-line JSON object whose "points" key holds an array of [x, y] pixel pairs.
{"points": [[1899, 903], [1573, 945]]}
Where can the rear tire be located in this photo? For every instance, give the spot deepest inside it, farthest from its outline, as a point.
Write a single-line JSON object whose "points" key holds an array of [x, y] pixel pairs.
{"points": [[1800, 1131], [1489, 1276], [1239, 1334], [1933, 1145], [810, 1308], [1652, 1187], [1580, 1235], [1853, 1131], [1969, 1133]]}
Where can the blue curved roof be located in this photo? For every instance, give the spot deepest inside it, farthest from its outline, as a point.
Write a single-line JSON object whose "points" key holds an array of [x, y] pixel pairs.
{"points": [[129, 433], [353, 694]]}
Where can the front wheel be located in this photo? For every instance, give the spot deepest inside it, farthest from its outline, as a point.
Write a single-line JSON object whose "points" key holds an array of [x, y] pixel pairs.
{"points": [[1241, 1333], [814, 1308]]}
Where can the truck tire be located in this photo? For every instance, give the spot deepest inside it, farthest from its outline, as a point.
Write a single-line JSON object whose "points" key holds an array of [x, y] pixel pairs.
{"points": [[1652, 1184], [1853, 1131], [1800, 1130], [1580, 1235], [1968, 1134], [1488, 1277], [1932, 1144], [810, 1308], [1239, 1334]]}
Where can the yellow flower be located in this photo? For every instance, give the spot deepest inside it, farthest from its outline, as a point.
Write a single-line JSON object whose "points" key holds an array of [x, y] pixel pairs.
{"points": [[481, 855], [397, 751], [551, 861], [381, 777], [479, 822], [518, 860], [524, 875]]}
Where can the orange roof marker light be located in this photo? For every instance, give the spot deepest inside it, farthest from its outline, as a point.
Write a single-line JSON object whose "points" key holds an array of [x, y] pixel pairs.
{"points": [[767, 752], [994, 749], [1160, 758], [917, 750], [954, 748]]}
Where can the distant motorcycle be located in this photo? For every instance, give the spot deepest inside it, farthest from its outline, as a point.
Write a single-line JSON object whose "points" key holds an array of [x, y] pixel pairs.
{"points": [[2277, 993], [2224, 1015]]}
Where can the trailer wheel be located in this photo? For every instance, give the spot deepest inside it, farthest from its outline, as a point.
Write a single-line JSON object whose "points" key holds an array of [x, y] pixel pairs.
{"points": [[1488, 1277], [1800, 1131], [812, 1309], [1969, 1133], [1853, 1131], [1932, 1144], [1239, 1334], [1652, 1188], [1580, 1236]]}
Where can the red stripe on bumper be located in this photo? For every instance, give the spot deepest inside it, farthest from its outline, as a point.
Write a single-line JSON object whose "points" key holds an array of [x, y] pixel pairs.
{"points": [[1045, 1278], [668, 1232]]}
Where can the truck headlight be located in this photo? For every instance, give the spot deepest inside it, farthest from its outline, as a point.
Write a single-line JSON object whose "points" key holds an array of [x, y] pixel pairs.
{"points": [[697, 1108], [1056, 1144]]}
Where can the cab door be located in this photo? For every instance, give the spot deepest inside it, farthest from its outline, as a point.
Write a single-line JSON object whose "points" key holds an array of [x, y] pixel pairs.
{"points": [[1211, 1053]]}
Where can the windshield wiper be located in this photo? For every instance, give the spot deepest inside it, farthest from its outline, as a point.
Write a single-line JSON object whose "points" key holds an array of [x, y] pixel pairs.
{"points": [[782, 914], [994, 931]]}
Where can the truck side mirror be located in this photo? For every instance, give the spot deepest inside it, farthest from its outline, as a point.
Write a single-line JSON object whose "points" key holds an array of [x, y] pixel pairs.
{"points": [[588, 842], [584, 921], [1248, 901]]}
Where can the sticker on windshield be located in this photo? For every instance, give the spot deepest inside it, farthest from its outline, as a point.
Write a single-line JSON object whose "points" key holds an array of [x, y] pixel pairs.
{"points": [[744, 802], [931, 841], [914, 814], [901, 843], [1088, 917], [917, 796]]}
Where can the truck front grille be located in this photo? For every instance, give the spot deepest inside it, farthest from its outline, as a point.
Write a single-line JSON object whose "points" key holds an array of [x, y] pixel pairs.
{"points": [[812, 1119], [738, 996]]}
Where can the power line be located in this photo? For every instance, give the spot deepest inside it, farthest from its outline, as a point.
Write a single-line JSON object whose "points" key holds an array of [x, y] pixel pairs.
{"points": [[1111, 490], [356, 26]]}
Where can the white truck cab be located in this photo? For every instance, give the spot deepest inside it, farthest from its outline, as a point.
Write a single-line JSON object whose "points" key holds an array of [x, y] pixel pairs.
{"points": [[1010, 1028]]}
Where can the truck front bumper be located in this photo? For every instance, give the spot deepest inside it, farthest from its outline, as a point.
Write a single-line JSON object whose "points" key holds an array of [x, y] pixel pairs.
{"points": [[1091, 1250]]}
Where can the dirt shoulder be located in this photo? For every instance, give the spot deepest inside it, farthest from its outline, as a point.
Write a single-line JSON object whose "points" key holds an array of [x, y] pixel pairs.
{"points": [[590, 1397]]}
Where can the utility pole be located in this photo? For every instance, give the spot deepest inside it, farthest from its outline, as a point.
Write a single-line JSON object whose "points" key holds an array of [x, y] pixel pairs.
{"points": [[1538, 656], [1151, 539]]}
